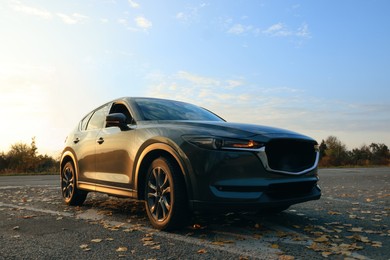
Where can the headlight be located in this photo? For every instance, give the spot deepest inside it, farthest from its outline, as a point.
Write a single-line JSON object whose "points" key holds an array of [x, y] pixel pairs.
{"points": [[224, 143]]}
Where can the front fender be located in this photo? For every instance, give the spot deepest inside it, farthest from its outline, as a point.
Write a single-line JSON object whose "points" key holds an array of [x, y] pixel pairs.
{"points": [[161, 146]]}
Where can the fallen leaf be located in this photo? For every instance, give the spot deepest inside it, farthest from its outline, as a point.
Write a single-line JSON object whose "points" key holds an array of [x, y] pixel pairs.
{"points": [[286, 257], [275, 246], [317, 247], [121, 249], [281, 234], [197, 226], [356, 229], [202, 251], [326, 254], [322, 239], [96, 240], [85, 247], [147, 239], [333, 212], [130, 229], [29, 216], [150, 243], [221, 243], [376, 244], [157, 247], [359, 238], [15, 228]]}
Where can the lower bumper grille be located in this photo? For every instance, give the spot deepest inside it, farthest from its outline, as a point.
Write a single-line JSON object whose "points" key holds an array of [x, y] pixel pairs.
{"points": [[288, 190]]}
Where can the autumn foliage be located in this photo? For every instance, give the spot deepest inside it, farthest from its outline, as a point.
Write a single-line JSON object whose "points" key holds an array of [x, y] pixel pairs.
{"points": [[23, 158], [334, 153]]}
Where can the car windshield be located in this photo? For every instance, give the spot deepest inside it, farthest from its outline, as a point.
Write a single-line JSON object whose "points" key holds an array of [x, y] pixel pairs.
{"points": [[160, 109]]}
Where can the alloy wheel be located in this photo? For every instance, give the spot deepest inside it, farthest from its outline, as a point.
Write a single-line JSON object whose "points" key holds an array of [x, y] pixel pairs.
{"points": [[67, 183], [159, 194]]}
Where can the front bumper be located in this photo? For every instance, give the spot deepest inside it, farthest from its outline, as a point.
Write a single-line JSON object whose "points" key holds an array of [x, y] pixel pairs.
{"points": [[255, 200]]}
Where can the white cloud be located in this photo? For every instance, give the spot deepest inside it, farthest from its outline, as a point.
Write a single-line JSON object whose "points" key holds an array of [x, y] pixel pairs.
{"points": [[281, 30], [19, 7], [239, 29], [72, 19], [143, 23], [278, 29], [122, 21], [198, 80], [303, 31], [181, 16], [133, 4], [191, 13]]}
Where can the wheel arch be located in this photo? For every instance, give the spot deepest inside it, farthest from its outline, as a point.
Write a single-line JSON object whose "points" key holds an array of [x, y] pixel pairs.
{"points": [[68, 156], [154, 151]]}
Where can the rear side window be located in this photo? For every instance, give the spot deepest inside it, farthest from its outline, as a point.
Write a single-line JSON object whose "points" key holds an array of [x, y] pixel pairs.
{"points": [[84, 122], [98, 118]]}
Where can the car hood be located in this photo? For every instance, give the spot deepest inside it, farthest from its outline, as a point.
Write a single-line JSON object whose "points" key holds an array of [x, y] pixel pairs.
{"points": [[233, 130]]}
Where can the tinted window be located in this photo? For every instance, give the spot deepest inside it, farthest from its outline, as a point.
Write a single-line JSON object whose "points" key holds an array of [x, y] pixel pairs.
{"points": [[98, 118], [159, 109]]}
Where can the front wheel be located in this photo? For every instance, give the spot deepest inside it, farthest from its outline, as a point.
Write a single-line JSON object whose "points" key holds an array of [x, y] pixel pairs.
{"points": [[165, 195], [70, 193]]}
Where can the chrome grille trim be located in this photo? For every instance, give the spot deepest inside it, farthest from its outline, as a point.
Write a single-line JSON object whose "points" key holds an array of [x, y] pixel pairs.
{"points": [[264, 159]]}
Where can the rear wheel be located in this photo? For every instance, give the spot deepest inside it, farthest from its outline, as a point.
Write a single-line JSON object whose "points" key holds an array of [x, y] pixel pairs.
{"points": [[165, 195], [70, 193]]}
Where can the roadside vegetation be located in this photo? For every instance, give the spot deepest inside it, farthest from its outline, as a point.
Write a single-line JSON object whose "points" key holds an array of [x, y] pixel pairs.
{"points": [[24, 158], [333, 153]]}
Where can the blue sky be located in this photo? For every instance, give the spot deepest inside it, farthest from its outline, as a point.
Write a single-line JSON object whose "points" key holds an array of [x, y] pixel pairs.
{"points": [[317, 67]]}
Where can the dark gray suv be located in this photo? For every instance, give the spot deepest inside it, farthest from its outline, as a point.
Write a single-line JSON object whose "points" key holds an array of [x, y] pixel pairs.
{"points": [[180, 158]]}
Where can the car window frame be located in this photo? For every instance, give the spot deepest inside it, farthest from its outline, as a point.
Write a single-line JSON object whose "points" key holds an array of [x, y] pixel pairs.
{"points": [[107, 108]]}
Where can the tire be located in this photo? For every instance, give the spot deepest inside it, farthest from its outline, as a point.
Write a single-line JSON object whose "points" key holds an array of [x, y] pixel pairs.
{"points": [[165, 195], [71, 194]]}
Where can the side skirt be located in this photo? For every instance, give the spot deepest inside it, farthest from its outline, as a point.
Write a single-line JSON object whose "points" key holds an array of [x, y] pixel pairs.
{"points": [[115, 191]]}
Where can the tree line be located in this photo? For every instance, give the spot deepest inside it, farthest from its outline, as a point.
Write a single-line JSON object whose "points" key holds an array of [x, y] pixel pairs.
{"points": [[24, 158], [334, 153]]}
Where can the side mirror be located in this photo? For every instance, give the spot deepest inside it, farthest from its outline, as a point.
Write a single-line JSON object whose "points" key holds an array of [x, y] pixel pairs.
{"points": [[117, 119]]}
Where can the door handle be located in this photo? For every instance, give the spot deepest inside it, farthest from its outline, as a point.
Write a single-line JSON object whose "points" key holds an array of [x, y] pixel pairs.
{"points": [[100, 140], [76, 140]]}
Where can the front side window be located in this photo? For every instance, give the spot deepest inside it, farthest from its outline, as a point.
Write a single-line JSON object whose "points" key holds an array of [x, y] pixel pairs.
{"points": [[121, 108], [98, 118]]}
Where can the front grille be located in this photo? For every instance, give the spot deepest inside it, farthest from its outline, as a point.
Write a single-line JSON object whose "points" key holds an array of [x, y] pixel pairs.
{"points": [[290, 155]]}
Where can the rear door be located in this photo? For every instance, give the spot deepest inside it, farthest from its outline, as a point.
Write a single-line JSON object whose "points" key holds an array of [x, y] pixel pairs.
{"points": [[86, 144]]}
